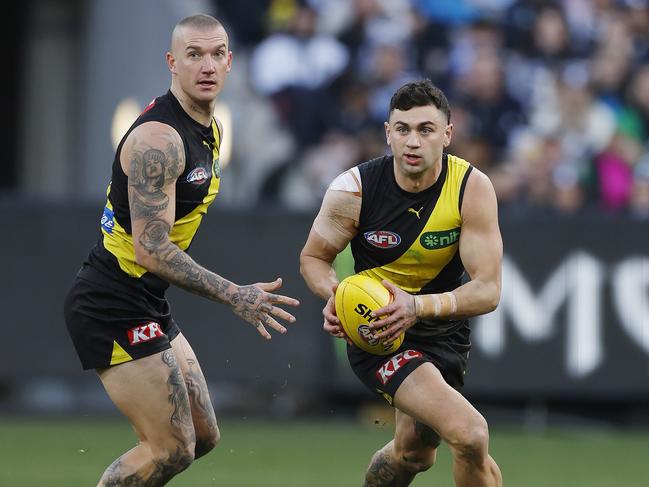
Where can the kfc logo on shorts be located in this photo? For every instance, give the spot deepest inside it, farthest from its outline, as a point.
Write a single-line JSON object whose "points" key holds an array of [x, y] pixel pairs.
{"points": [[144, 333], [389, 368]]}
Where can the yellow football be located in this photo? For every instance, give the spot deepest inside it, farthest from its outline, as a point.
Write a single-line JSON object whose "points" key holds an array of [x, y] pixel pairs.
{"points": [[357, 297]]}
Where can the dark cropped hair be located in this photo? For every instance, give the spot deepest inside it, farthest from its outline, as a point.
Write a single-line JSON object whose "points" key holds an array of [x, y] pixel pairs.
{"points": [[420, 94]]}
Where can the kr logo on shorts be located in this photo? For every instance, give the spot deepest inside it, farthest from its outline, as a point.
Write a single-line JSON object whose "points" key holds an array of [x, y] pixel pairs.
{"points": [[389, 368], [144, 333]]}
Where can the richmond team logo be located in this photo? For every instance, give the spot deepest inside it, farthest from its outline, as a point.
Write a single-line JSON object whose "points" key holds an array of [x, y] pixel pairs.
{"points": [[382, 239], [198, 176]]}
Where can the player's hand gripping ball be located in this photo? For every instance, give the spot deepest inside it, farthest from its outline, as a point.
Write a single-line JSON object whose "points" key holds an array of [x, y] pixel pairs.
{"points": [[357, 297]]}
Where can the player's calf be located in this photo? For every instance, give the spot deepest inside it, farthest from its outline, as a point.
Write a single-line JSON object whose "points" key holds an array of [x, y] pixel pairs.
{"points": [[397, 467], [170, 461], [415, 461], [146, 466], [206, 441]]}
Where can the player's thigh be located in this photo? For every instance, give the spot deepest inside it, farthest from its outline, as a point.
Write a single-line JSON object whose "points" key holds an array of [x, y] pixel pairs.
{"points": [[415, 440], [199, 397], [426, 396], [152, 394]]}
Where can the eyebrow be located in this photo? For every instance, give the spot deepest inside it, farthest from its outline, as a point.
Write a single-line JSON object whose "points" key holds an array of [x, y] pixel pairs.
{"points": [[199, 48], [426, 122]]}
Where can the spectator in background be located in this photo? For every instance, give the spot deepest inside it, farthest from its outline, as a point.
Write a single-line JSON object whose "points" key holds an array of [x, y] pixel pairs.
{"points": [[541, 51], [391, 68], [639, 202], [567, 193], [372, 21], [295, 68], [614, 168], [571, 114], [609, 73], [524, 76], [638, 100], [494, 115]]}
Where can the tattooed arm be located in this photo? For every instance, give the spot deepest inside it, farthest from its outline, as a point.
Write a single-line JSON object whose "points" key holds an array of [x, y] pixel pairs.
{"points": [[153, 157]]}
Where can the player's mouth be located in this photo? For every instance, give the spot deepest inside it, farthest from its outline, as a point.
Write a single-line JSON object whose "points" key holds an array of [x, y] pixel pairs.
{"points": [[207, 83], [412, 159]]}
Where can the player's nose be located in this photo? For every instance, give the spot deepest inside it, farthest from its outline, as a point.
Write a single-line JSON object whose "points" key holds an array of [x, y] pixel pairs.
{"points": [[209, 65], [413, 140]]}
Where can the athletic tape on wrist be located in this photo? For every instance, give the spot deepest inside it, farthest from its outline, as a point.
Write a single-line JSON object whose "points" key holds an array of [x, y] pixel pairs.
{"points": [[453, 302], [434, 305]]}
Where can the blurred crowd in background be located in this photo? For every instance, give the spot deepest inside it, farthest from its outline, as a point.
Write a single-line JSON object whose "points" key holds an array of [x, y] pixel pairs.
{"points": [[548, 98]]}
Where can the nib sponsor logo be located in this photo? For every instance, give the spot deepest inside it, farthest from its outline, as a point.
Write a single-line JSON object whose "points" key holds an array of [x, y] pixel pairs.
{"points": [[144, 333], [389, 368]]}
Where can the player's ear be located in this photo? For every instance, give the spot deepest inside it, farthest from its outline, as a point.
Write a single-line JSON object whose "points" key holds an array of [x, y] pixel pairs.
{"points": [[229, 61], [171, 62], [448, 135], [386, 125]]}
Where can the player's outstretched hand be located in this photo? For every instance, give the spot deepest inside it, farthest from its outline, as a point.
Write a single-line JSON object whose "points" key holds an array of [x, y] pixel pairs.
{"points": [[398, 316], [257, 304], [331, 323]]}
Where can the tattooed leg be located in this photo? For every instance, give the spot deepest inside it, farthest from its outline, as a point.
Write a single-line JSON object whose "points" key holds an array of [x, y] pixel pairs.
{"points": [[386, 471], [203, 417], [152, 394], [412, 451], [159, 472]]}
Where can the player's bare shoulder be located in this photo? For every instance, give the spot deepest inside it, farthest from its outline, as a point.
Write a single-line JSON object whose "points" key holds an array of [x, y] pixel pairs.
{"points": [[153, 153], [479, 196], [344, 197], [340, 212]]}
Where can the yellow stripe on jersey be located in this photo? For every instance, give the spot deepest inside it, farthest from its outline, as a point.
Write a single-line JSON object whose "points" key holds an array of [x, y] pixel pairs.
{"points": [[185, 228], [119, 355], [120, 243], [437, 243]]}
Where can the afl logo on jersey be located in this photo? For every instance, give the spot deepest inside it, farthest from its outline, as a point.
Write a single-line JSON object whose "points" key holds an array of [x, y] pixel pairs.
{"points": [[197, 175], [382, 239]]}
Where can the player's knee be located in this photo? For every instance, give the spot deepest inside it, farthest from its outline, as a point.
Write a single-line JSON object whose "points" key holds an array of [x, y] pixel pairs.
{"points": [[206, 442], [471, 443], [416, 461]]}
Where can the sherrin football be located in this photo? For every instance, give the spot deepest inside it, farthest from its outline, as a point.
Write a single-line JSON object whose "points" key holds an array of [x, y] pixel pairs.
{"points": [[357, 297]]}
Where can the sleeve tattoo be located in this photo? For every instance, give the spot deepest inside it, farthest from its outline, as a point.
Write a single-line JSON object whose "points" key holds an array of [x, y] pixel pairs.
{"points": [[151, 170]]}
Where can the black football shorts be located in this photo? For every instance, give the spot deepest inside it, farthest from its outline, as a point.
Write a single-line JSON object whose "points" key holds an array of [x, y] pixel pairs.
{"points": [[383, 374], [112, 322]]}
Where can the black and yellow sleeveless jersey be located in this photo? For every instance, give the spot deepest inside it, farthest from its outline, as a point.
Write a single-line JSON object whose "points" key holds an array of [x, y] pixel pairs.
{"points": [[411, 239], [196, 188]]}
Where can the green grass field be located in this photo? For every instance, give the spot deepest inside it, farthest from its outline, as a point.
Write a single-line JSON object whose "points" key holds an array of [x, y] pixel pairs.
{"points": [[71, 453]]}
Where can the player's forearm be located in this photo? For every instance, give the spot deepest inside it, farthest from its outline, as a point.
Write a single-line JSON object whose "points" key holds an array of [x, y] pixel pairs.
{"points": [[168, 261], [471, 299], [318, 274]]}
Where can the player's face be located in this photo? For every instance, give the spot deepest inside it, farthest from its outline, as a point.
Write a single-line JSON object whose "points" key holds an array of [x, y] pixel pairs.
{"points": [[417, 138], [200, 60]]}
